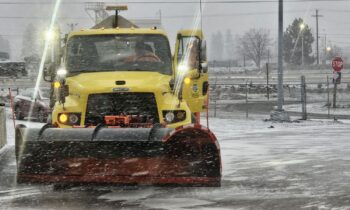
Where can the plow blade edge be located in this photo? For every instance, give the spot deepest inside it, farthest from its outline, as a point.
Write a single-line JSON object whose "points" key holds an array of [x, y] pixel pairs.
{"points": [[151, 156]]}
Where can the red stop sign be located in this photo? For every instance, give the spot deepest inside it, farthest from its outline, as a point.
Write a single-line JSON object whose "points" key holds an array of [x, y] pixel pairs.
{"points": [[337, 64]]}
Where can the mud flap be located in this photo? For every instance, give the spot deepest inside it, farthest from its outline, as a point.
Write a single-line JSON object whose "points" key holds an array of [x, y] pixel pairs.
{"points": [[121, 156]]}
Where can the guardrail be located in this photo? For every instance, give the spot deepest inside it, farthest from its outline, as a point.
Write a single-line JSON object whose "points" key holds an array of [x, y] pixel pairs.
{"points": [[3, 135]]}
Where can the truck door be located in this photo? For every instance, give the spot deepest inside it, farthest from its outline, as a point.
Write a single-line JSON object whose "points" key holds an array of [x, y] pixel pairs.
{"points": [[191, 69]]}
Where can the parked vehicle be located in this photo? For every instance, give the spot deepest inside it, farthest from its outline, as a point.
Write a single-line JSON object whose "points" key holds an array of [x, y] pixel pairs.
{"points": [[40, 105]]}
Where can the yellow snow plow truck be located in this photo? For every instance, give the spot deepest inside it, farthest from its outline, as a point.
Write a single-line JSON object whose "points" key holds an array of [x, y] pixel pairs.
{"points": [[126, 112]]}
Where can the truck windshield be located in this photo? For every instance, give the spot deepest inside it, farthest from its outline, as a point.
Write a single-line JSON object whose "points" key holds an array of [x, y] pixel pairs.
{"points": [[95, 53]]}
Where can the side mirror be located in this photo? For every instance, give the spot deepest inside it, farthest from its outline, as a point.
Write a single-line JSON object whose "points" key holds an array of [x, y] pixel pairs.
{"points": [[62, 90], [172, 84], [203, 51], [65, 90], [204, 67], [203, 64]]}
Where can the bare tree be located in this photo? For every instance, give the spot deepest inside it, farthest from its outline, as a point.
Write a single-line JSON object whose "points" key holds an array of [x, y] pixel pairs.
{"points": [[254, 43]]}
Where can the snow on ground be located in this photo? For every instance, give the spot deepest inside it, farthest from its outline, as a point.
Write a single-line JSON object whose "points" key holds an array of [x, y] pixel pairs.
{"points": [[266, 165], [265, 162]]}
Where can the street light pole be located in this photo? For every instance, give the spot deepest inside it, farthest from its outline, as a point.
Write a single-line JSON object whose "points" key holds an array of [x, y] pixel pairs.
{"points": [[328, 50], [302, 50], [280, 56], [302, 26]]}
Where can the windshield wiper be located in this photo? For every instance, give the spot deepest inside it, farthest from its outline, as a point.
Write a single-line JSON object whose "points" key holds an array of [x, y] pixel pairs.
{"points": [[74, 73], [136, 69]]}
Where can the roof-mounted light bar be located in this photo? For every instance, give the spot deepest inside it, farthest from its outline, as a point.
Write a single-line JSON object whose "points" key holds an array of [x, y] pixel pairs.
{"points": [[116, 8]]}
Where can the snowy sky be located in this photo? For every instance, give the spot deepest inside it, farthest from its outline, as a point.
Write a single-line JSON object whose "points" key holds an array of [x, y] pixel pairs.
{"points": [[238, 17]]}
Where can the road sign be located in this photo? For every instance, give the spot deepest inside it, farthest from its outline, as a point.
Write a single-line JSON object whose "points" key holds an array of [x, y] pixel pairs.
{"points": [[337, 64], [336, 77]]}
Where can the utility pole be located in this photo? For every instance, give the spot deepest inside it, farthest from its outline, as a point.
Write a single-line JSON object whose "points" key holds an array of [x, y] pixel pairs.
{"points": [[317, 51], [279, 114], [280, 56], [267, 82], [267, 75]]}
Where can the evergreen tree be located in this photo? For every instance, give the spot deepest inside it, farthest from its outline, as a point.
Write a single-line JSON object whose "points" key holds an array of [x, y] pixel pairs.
{"points": [[293, 38]]}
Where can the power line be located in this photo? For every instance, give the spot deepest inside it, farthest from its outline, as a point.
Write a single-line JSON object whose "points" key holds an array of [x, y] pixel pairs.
{"points": [[165, 16], [176, 2], [341, 42], [10, 35]]}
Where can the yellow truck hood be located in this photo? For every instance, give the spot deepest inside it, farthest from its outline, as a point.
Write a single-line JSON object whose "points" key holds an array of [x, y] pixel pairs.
{"points": [[104, 82]]}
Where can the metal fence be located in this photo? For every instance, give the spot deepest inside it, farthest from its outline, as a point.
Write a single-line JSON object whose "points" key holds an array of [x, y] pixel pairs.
{"points": [[305, 98], [245, 92]]}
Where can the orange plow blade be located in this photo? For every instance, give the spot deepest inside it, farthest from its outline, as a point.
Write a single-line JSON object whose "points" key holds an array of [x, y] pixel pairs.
{"points": [[188, 155]]}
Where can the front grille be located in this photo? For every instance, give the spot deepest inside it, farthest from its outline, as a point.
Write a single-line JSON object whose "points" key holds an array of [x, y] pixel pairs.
{"points": [[107, 104]]}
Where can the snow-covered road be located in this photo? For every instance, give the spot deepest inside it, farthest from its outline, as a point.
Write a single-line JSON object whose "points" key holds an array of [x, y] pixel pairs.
{"points": [[266, 165]]}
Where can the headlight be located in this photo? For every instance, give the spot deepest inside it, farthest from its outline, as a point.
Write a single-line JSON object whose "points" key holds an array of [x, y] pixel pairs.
{"points": [[187, 81], [63, 118], [69, 118], [181, 115], [73, 118], [174, 116], [169, 117], [61, 73], [57, 84]]}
